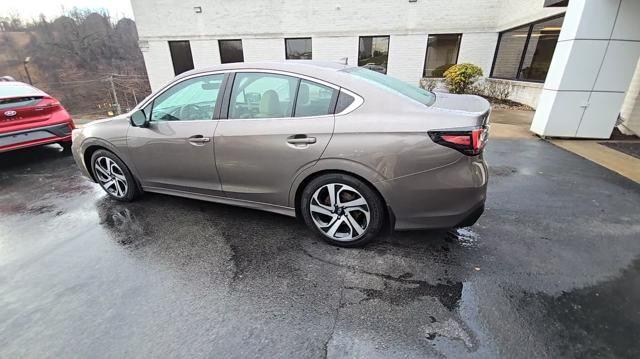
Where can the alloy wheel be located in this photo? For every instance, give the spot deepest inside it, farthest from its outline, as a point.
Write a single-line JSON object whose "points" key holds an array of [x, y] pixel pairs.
{"points": [[340, 212], [110, 176]]}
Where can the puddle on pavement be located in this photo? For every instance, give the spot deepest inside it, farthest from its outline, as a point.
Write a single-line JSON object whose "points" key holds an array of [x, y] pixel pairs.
{"points": [[451, 329], [464, 237], [502, 171]]}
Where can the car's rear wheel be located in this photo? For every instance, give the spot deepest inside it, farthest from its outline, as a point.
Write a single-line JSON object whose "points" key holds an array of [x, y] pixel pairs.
{"points": [[342, 209], [113, 176]]}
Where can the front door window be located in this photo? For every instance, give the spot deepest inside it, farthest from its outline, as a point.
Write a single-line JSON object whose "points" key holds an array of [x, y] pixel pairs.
{"points": [[189, 100]]}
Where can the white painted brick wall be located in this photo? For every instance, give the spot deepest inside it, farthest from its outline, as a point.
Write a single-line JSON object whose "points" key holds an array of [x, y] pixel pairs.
{"points": [[406, 57], [334, 26], [263, 49], [205, 53], [478, 49], [513, 13], [157, 59], [284, 18], [334, 48]]}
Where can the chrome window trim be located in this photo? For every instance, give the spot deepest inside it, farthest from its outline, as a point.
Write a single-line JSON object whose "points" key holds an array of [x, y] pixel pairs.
{"points": [[358, 100]]}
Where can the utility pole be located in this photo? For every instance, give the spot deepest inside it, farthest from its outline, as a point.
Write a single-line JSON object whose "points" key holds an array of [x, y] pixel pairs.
{"points": [[115, 96], [26, 69]]}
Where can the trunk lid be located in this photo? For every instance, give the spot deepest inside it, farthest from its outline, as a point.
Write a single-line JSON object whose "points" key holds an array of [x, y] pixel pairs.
{"points": [[471, 105], [26, 109]]}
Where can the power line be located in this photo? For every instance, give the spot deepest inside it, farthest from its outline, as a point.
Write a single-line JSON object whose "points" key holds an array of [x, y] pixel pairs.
{"points": [[72, 82]]}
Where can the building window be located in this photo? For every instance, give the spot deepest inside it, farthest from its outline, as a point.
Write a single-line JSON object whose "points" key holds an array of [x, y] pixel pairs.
{"points": [[298, 49], [181, 56], [525, 53], [231, 51], [373, 53], [442, 53]]}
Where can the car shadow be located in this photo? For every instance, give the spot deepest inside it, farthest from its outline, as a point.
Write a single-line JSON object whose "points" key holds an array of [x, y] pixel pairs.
{"points": [[26, 157]]}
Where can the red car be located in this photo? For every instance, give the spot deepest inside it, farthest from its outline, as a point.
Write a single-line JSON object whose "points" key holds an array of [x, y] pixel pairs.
{"points": [[30, 117]]}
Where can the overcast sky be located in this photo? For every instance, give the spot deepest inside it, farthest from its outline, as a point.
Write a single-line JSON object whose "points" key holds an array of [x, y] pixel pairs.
{"points": [[31, 9]]}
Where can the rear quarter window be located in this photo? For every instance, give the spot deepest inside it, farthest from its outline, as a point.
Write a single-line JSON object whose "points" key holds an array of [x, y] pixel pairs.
{"points": [[344, 100]]}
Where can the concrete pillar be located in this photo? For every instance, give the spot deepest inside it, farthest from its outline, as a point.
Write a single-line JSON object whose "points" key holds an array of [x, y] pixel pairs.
{"points": [[591, 69], [630, 113]]}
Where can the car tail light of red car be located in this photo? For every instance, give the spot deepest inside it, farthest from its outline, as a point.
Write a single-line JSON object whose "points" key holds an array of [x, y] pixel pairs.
{"points": [[469, 141]]}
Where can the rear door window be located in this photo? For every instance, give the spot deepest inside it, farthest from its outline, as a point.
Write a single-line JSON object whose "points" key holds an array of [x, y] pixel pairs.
{"points": [[314, 99], [262, 95]]}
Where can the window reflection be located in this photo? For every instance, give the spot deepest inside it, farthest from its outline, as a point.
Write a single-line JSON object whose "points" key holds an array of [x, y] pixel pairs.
{"points": [[373, 53], [298, 49], [525, 53], [442, 53]]}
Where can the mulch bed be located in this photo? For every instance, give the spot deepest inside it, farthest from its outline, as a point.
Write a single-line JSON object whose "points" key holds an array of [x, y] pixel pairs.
{"points": [[507, 104], [629, 148]]}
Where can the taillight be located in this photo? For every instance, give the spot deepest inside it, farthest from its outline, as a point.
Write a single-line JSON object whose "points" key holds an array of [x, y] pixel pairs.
{"points": [[47, 103], [468, 141]]}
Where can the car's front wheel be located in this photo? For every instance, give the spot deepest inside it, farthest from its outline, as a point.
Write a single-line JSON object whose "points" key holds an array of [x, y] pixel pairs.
{"points": [[342, 209], [113, 176]]}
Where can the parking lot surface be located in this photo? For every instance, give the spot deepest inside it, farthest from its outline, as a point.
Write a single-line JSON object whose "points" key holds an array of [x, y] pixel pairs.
{"points": [[551, 270]]}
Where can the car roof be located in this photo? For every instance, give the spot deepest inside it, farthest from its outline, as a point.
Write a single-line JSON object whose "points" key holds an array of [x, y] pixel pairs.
{"points": [[322, 69]]}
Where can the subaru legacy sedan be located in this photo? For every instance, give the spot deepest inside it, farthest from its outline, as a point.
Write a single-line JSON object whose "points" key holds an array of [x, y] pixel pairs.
{"points": [[347, 150]]}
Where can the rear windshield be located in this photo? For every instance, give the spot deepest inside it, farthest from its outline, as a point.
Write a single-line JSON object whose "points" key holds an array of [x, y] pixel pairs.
{"points": [[393, 84], [18, 90]]}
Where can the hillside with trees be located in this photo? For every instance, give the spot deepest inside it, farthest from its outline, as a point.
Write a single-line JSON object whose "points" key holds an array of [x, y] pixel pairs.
{"points": [[76, 58]]}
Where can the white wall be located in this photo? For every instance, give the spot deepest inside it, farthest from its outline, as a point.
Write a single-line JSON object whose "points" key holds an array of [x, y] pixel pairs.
{"points": [[406, 57], [591, 70], [157, 59], [513, 13], [334, 48], [478, 49], [205, 53], [286, 18], [334, 27]]}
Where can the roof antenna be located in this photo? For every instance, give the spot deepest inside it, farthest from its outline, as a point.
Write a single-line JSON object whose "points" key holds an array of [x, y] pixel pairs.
{"points": [[344, 60]]}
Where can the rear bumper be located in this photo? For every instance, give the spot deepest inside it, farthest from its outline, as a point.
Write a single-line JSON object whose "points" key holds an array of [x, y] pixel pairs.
{"points": [[36, 136], [447, 197]]}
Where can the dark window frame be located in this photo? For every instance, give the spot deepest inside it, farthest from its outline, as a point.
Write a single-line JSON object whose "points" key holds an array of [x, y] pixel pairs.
{"points": [[173, 59], [524, 49], [220, 50], [372, 36], [424, 66], [286, 48]]}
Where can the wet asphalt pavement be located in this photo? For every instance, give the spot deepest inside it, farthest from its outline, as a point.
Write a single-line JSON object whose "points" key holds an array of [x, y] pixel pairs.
{"points": [[551, 270]]}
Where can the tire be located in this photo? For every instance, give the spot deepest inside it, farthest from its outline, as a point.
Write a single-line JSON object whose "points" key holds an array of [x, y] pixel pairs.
{"points": [[114, 176], [333, 219]]}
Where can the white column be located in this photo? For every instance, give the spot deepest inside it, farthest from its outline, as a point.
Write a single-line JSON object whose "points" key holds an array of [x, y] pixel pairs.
{"points": [[592, 66]]}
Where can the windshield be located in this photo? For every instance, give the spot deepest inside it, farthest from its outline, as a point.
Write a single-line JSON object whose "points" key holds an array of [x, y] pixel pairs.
{"points": [[393, 84]]}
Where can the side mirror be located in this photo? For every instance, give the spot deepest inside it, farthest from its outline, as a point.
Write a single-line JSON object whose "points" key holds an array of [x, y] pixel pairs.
{"points": [[139, 119]]}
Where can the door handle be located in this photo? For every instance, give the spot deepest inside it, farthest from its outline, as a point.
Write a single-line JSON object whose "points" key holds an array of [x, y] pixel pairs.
{"points": [[199, 139], [299, 140]]}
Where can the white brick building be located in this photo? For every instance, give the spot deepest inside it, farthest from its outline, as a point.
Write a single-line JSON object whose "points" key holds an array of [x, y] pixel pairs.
{"points": [[508, 39]]}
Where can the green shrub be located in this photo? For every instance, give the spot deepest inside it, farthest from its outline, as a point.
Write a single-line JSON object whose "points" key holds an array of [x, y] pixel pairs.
{"points": [[459, 78]]}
